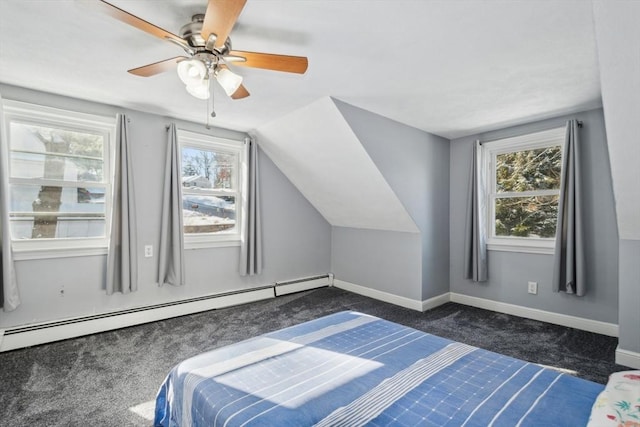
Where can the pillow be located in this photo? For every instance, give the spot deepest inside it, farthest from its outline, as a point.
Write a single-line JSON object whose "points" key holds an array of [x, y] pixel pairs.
{"points": [[619, 403]]}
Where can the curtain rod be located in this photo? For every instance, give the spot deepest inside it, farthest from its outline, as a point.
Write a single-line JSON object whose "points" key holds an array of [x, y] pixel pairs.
{"points": [[580, 125]]}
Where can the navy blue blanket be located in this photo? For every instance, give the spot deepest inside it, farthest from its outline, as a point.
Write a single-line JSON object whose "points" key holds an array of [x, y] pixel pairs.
{"points": [[353, 369]]}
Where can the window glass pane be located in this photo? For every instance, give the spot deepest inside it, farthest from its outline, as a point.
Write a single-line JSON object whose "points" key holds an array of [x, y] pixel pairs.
{"points": [[46, 152], [526, 216], [50, 166], [56, 227], [529, 170], [208, 214], [47, 212], [27, 137], [208, 169], [36, 198]]}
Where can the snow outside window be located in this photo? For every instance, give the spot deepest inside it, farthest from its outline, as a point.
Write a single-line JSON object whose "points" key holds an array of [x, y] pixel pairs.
{"points": [[212, 177]]}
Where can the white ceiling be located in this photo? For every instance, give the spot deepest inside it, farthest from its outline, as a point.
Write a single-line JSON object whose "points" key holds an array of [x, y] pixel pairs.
{"points": [[448, 67]]}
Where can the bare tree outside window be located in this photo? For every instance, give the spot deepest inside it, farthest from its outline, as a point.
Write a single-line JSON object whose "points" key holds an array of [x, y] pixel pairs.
{"points": [[57, 180], [63, 148]]}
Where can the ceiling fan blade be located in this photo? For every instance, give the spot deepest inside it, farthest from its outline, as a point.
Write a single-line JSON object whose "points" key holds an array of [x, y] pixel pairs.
{"points": [[157, 67], [139, 23], [240, 93], [269, 61], [220, 18]]}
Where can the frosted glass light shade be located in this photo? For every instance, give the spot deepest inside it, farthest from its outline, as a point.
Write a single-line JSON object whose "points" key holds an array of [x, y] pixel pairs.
{"points": [[191, 71], [229, 80], [199, 90]]}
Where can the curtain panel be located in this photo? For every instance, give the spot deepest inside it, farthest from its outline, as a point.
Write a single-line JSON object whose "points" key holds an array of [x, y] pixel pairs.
{"points": [[9, 295], [251, 232], [122, 259], [475, 260], [171, 250], [568, 259]]}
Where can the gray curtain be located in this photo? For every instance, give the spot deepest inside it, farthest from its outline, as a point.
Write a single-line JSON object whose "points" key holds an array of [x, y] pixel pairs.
{"points": [[251, 242], [171, 251], [568, 258], [122, 259], [9, 295], [475, 259]]}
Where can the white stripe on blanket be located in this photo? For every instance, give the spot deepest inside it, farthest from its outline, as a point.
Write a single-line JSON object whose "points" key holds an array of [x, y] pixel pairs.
{"points": [[372, 403]]}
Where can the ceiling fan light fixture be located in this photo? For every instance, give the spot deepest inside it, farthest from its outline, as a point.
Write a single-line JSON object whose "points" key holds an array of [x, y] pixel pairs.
{"points": [[192, 71], [199, 90], [229, 80], [206, 41]]}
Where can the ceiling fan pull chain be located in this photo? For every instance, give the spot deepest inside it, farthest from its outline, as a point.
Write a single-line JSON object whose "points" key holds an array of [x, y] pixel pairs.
{"points": [[210, 112]]}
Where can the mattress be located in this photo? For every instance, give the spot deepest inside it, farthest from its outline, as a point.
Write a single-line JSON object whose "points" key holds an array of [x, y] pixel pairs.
{"points": [[351, 369]]}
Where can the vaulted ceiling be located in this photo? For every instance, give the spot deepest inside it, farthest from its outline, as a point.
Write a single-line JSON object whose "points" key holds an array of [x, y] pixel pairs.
{"points": [[316, 148], [447, 67]]}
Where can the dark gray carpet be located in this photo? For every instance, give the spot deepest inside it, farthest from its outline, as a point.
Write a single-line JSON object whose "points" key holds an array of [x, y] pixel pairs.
{"points": [[95, 380]]}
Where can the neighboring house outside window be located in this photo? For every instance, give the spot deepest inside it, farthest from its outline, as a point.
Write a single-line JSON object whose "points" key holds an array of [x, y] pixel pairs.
{"points": [[522, 179], [59, 180], [212, 181]]}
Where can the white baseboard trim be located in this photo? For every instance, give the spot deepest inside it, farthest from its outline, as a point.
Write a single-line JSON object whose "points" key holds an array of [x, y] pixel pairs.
{"points": [[627, 358], [59, 330], [391, 298], [436, 301], [301, 285], [604, 328]]}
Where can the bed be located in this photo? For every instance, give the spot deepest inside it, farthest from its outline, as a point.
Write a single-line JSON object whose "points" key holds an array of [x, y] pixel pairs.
{"points": [[350, 369]]}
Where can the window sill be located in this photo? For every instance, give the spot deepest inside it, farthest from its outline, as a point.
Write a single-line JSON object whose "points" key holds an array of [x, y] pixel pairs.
{"points": [[544, 248], [49, 253], [210, 244]]}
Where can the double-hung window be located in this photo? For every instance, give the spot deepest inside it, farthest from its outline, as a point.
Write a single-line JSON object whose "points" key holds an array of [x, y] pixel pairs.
{"points": [[213, 174], [523, 186], [59, 180]]}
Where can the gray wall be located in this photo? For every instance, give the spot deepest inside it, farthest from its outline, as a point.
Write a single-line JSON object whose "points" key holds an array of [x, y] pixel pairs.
{"points": [[296, 238], [509, 272], [629, 317], [416, 166], [387, 261]]}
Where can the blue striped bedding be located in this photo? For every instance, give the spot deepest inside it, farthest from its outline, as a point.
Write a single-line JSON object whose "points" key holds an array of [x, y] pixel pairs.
{"points": [[350, 369]]}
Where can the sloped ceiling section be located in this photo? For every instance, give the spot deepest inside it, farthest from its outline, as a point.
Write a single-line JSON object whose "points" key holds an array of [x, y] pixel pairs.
{"points": [[618, 35], [319, 153]]}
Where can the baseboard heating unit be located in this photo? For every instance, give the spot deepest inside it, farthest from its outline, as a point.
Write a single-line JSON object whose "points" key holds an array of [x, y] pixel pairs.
{"points": [[299, 285], [40, 333]]}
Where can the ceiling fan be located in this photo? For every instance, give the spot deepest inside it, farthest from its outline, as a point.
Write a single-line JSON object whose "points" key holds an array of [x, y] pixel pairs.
{"points": [[206, 42]]}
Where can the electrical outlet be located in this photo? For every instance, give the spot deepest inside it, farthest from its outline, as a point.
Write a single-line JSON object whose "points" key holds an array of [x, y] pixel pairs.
{"points": [[148, 251], [533, 287]]}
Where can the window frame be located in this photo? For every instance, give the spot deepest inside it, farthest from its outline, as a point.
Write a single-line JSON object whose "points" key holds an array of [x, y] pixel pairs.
{"points": [[40, 115], [491, 149], [205, 142]]}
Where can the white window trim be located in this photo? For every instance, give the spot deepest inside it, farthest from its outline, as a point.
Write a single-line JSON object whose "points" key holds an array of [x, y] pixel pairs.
{"points": [[518, 143], [210, 142], [39, 115]]}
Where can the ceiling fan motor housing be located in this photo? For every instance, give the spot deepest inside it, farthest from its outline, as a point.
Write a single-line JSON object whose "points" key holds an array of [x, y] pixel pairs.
{"points": [[191, 33]]}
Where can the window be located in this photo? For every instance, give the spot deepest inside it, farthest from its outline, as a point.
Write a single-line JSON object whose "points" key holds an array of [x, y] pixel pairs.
{"points": [[59, 177], [212, 179], [523, 188]]}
